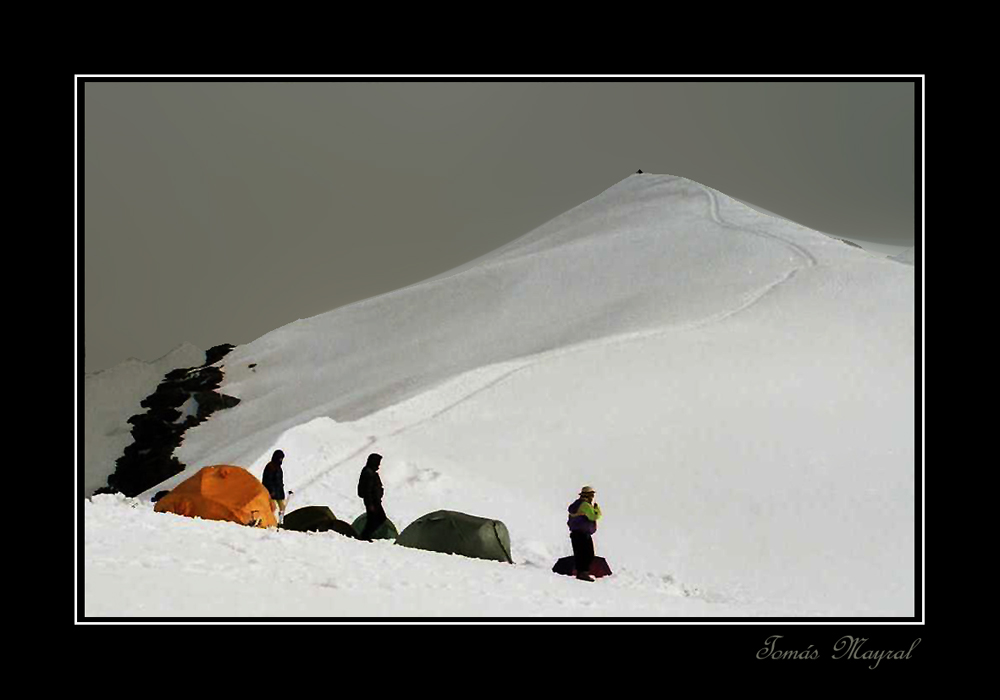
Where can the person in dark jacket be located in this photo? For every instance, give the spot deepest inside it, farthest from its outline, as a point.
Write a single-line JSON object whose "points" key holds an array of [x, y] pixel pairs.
{"points": [[370, 491], [274, 482], [583, 516]]}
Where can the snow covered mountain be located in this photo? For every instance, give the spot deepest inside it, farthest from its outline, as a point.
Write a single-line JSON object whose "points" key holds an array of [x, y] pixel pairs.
{"points": [[738, 388]]}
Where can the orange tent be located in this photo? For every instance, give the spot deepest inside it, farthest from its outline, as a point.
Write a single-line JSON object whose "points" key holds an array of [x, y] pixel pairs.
{"points": [[221, 492]]}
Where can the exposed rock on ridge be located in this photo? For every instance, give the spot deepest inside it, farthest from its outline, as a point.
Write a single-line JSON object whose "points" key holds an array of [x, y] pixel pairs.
{"points": [[150, 459]]}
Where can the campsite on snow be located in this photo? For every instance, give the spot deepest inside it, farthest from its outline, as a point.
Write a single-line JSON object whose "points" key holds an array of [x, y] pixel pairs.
{"points": [[739, 390]]}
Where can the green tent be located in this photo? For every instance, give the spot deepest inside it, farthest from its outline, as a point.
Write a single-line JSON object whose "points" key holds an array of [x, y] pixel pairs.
{"points": [[458, 533], [386, 531], [315, 519]]}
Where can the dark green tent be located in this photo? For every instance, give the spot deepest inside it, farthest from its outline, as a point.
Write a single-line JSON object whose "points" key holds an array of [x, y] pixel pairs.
{"points": [[386, 531], [458, 533], [316, 519]]}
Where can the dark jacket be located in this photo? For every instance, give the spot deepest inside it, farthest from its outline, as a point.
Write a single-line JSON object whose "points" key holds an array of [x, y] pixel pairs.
{"points": [[583, 517], [370, 486], [274, 481]]}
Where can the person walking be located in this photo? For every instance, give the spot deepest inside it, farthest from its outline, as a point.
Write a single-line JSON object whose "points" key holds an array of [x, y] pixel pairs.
{"points": [[274, 482], [583, 516], [370, 491]]}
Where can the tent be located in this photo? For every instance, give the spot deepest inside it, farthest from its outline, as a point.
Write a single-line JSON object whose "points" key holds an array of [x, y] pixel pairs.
{"points": [[385, 531], [316, 519], [222, 492], [598, 568], [458, 533]]}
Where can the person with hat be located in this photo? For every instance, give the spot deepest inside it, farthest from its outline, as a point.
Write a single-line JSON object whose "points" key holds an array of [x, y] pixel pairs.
{"points": [[583, 516], [274, 481]]}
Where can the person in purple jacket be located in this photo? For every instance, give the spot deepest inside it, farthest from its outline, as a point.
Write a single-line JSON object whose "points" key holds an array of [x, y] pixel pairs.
{"points": [[583, 516]]}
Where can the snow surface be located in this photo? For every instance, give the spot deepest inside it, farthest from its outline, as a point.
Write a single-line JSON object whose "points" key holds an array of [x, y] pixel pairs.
{"points": [[739, 390]]}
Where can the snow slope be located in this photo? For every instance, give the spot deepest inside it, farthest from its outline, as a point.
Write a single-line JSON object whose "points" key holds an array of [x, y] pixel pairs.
{"points": [[738, 389]]}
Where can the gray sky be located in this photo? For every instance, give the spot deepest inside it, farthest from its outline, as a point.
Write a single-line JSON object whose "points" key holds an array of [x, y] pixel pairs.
{"points": [[214, 212]]}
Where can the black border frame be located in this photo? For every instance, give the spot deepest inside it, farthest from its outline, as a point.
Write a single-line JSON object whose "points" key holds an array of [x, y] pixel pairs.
{"points": [[799, 633]]}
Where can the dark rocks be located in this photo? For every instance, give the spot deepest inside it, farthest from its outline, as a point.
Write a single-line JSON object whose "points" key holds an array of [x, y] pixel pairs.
{"points": [[166, 396], [150, 459], [209, 402], [214, 354]]}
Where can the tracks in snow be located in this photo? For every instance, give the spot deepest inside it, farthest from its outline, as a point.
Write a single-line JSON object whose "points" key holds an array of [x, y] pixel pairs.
{"points": [[808, 259], [715, 213]]}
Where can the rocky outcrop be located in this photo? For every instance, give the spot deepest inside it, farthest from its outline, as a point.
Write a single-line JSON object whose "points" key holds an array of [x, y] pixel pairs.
{"points": [[850, 243], [185, 398]]}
